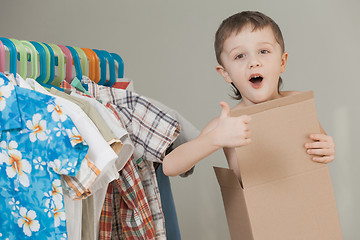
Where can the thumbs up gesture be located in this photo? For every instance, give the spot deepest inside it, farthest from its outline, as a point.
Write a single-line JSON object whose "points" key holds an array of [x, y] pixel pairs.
{"points": [[232, 131]]}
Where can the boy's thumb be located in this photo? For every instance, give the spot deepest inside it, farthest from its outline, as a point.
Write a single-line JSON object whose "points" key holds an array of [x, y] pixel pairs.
{"points": [[225, 110]]}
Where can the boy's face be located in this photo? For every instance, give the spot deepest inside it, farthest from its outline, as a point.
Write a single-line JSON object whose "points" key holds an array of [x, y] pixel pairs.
{"points": [[253, 61]]}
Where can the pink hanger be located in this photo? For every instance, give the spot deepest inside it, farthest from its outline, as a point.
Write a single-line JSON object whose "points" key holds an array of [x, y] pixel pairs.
{"points": [[69, 63], [2, 57]]}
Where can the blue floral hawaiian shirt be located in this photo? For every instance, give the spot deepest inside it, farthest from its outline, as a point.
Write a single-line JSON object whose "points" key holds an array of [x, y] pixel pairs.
{"points": [[38, 144]]}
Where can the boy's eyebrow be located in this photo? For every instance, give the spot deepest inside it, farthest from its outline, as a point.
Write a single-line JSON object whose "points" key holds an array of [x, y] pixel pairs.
{"points": [[235, 48], [272, 44], [240, 46]]}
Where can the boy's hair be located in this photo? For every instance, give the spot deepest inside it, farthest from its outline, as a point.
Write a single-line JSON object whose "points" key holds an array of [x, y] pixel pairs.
{"points": [[235, 23]]}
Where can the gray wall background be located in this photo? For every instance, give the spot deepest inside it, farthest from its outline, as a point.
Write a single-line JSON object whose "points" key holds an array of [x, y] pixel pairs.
{"points": [[168, 51]]}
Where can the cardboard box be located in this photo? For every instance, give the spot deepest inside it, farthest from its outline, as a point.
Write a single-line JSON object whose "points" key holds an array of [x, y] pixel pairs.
{"points": [[283, 194]]}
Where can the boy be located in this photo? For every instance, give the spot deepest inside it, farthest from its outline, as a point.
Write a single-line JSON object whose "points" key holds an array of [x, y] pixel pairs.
{"points": [[250, 51]]}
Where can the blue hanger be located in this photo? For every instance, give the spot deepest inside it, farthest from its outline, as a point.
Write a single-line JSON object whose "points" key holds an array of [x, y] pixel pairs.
{"points": [[111, 63], [52, 64], [102, 61], [43, 68], [105, 58], [76, 59], [120, 64], [13, 53]]}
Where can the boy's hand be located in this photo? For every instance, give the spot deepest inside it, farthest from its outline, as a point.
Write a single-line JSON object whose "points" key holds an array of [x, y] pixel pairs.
{"points": [[232, 131], [323, 149]]}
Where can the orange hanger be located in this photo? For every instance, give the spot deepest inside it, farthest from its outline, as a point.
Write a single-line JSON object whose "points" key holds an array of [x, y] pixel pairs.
{"points": [[94, 67]]}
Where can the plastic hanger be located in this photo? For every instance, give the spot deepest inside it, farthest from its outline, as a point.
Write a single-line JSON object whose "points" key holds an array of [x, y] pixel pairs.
{"points": [[60, 62], [12, 51], [2, 57], [51, 66], [76, 60], [42, 61], [47, 62], [120, 62], [102, 61], [33, 58], [94, 67], [69, 62], [83, 61], [111, 62], [22, 56], [105, 58]]}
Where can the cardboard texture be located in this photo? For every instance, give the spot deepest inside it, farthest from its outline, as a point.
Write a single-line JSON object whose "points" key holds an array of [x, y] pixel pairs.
{"points": [[283, 194]]}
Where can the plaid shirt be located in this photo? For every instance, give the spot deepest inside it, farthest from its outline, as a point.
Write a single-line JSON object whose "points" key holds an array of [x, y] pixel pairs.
{"points": [[148, 178], [151, 130], [126, 213]]}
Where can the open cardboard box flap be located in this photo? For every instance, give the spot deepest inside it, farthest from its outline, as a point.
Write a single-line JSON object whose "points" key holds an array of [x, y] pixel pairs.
{"points": [[279, 130]]}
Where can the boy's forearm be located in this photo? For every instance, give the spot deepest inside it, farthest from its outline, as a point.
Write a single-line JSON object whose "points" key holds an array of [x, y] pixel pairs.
{"points": [[188, 154]]}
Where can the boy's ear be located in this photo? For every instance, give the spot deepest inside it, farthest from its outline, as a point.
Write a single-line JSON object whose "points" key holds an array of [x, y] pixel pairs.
{"points": [[221, 70], [283, 62]]}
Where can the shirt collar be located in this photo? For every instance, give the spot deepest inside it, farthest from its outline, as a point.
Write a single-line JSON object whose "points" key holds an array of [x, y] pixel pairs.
{"points": [[10, 116]]}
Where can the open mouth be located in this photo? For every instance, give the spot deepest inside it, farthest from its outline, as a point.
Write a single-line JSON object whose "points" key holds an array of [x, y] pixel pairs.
{"points": [[256, 81]]}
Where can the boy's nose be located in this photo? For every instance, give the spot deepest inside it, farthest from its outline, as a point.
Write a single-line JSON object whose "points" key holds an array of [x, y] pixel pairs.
{"points": [[254, 62]]}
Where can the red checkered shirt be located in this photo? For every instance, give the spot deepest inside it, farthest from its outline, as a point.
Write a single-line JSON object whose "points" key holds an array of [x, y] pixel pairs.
{"points": [[152, 131], [126, 213]]}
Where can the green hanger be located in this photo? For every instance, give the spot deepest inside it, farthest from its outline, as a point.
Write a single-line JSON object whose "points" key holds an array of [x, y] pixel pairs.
{"points": [[83, 60], [33, 58], [60, 63], [23, 57]]}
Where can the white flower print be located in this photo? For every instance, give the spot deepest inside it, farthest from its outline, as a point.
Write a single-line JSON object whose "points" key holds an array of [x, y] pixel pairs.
{"points": [[39, 164], [64, 237], [5, 92], [49, 203], [59, 213], [15, 204], [70, 167], [3, 157], [75, 136], [12, 145], [38, 127], [60, 130], [48, 210], [27, 221], [17, 167], [3, 144], [56, 112], [57, 191], [57, 166]]}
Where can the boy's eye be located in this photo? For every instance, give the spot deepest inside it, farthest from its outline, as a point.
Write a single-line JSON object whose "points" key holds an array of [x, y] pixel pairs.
{"points": [[239, 56], [263, 51]]}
